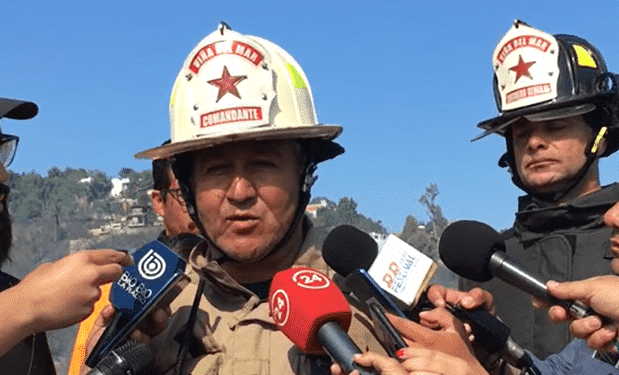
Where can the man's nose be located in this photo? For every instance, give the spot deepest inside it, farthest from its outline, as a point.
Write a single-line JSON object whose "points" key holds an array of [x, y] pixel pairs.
{"points": [[536, 140], [241, 189]]}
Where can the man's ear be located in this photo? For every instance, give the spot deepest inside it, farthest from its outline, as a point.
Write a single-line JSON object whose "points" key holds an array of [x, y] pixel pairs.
{"points": [[157, 200]]}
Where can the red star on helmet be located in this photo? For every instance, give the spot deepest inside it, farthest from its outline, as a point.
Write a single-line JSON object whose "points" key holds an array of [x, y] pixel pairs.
{"points": [[227, 84], [522, 69]]}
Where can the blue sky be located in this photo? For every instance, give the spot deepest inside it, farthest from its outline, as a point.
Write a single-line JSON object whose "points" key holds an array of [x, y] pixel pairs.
{"points": [[407, 80]]}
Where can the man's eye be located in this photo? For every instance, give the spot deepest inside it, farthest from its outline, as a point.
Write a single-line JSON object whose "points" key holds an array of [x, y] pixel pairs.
{"points": [[264, 163], [213, 169], [520, 134]]}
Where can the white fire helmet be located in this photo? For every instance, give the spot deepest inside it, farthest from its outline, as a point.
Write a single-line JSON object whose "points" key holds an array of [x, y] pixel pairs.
{"points": [[234, 87]]}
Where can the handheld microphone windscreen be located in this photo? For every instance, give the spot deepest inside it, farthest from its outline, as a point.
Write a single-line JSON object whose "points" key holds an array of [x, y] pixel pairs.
{"points": [[466, 246], [302, 300], [131, 358], [156, 277], [347, 248]]}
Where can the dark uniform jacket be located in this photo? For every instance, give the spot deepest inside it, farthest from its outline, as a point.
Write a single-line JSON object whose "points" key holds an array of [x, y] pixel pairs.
{"points": [[31, 356], [562, 243]]}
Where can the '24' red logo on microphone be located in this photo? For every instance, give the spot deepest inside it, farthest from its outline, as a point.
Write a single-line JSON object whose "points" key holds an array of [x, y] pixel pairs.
{"points": [[310, 279], [280, 307]]}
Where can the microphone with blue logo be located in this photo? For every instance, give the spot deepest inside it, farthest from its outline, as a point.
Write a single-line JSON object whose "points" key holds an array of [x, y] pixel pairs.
{"points": [[155, 278]]}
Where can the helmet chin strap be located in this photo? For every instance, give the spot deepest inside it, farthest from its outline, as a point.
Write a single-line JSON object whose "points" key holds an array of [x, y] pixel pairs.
{"points": [[307, 181], [592, 153]]}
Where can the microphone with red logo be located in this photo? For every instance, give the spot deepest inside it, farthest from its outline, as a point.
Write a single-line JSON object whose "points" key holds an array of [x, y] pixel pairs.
{"points": [[314, 314]]}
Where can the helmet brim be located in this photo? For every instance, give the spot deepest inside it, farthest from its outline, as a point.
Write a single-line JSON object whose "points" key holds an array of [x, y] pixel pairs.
{"points": [[322, 132], [497, 125], [17, 109]]}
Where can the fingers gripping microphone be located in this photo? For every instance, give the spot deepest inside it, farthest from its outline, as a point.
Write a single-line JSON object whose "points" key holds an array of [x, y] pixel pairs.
{"points": [[156, 278], [312, 312], [475, 251]]}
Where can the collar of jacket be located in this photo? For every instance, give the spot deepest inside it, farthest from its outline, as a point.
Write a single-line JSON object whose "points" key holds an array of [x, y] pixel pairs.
{"points": [[584, 212]]}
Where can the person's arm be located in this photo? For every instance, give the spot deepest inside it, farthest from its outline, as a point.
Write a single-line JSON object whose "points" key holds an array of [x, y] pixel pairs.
{"points": [[56, 295]]}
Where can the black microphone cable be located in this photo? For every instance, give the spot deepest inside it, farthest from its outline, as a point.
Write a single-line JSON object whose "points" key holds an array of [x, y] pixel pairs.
{"points": [[191, 321]]}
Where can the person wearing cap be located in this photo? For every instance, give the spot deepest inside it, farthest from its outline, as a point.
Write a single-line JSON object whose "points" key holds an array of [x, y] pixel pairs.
{"points": [[54, 295], [246, 141], [169, 204], [558, 113]]}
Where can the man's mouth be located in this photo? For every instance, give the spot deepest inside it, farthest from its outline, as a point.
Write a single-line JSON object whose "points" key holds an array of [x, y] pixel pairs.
{"points": [[538, 163]]}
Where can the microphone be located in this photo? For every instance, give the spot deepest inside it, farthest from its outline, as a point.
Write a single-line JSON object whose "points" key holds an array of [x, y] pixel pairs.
{"points": [[350, 252], [132, 358], [346, 243], [474, 250], [312, 312], [156, 278], [347, 247]]}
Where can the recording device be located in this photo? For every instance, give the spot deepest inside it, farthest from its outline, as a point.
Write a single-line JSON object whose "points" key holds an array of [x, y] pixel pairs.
{"points": [[314, 314], [348, 249], [132, 358], [474, 250], [156, 278]]}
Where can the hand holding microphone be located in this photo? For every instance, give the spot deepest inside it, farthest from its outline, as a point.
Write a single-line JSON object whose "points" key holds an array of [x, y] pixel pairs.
{"points": [[599, 293], [474, 250], [144, 289], [441, 349], [350, 251]]}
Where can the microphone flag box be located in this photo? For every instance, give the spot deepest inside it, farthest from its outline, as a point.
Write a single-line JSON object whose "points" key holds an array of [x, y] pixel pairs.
{"points": [[155, 278], [402, 270]]}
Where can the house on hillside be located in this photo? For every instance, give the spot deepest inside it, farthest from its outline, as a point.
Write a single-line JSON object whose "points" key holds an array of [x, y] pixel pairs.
{"points": [[312, 209]]}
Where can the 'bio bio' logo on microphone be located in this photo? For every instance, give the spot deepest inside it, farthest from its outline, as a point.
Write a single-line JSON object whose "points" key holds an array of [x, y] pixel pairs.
{"points": [[151, 266]]}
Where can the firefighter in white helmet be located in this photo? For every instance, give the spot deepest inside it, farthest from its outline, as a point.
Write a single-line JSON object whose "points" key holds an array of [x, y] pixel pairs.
{"points": [[246, 141]]}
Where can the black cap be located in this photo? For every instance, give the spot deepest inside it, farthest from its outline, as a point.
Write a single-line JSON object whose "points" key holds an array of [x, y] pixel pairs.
{"points": [[17, 109]]}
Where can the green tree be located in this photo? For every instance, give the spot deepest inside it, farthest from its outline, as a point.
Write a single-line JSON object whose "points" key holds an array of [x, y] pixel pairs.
{"points": [[26, 196], [437, 222], [99, 187], [345, 212], [425, 237]]}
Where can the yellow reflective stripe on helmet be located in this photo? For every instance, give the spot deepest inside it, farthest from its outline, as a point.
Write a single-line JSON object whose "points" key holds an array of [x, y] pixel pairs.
{"points": [[173, 98], [584, 57], [599, 137], [297, 79]]}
